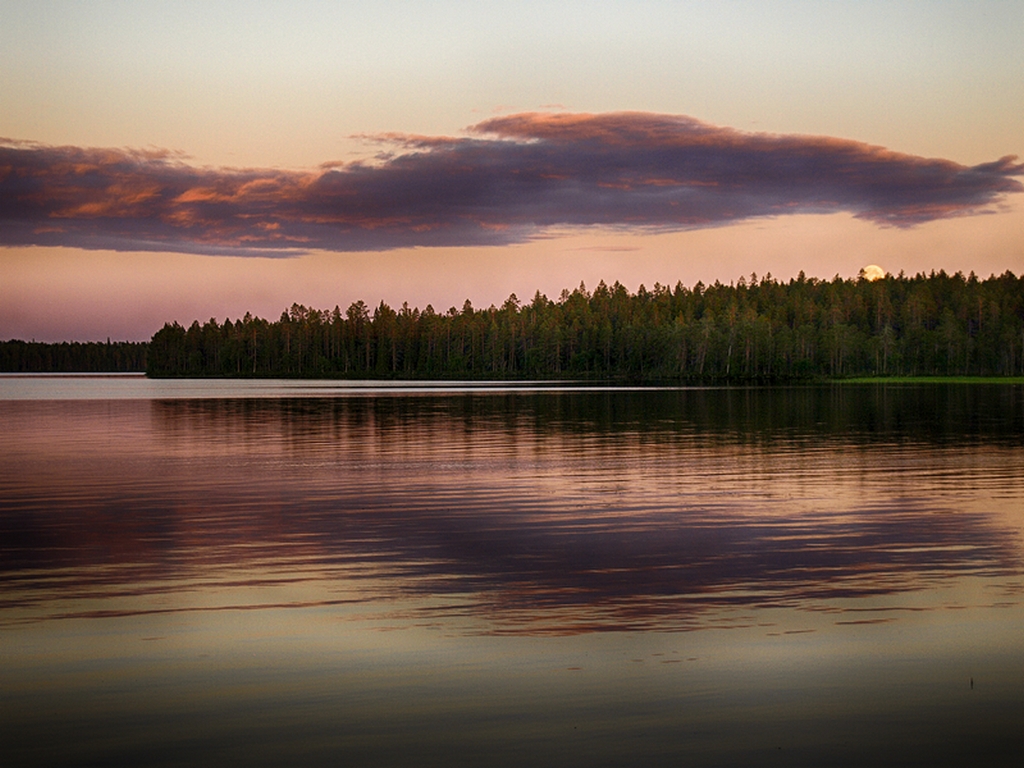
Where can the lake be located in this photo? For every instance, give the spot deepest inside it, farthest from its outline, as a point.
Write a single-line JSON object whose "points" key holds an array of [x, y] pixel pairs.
{"points": [[325, 573]]}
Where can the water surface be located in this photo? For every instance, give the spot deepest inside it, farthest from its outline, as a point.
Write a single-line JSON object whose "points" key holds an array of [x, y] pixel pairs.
{"points": [[324, 573]]}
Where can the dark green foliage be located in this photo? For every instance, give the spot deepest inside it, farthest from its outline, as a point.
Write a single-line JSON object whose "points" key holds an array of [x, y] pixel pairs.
{"points": [[73, 357], [759, 330]]}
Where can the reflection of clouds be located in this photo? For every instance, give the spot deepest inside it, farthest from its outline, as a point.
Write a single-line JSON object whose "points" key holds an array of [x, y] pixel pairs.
{"points": [[670, 576], [519, 513]]}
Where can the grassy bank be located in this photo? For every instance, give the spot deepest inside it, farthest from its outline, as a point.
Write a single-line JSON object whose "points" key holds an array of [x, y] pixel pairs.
{"points": [[932, 380]]}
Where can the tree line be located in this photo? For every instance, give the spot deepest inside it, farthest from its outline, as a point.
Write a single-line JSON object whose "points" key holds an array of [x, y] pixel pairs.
{"points": [[18, 356], [753, 330]]}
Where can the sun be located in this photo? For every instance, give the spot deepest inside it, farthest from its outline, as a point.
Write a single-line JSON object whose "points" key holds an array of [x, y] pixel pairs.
{"points": [[872, 272]]}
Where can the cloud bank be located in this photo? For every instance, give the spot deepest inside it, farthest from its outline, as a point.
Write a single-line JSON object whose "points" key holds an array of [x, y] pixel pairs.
{"points": [[510, 179]]}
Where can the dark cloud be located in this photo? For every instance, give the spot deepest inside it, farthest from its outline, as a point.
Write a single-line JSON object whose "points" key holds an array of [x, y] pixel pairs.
{"points": [[510, 179]]}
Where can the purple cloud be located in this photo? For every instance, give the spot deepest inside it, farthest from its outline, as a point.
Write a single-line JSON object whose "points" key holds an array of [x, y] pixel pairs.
{"points": [[511, 179]]}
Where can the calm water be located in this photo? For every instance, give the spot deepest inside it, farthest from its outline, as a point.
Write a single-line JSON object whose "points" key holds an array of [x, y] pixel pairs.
{"points": [[308, 573]]}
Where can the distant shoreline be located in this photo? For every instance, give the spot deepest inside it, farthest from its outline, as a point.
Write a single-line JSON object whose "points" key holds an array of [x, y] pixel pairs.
{"points": [[896, 329]]}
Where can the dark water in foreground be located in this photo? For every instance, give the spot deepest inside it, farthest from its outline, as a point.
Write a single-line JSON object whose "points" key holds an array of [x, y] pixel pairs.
{"points": [[271, 573]]}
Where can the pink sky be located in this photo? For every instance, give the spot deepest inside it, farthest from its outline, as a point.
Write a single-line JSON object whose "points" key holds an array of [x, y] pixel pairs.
{"points": [[167, 163]]}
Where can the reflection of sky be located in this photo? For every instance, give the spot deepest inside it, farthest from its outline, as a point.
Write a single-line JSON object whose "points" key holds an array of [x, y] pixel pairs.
{"points": [[555, 513]]}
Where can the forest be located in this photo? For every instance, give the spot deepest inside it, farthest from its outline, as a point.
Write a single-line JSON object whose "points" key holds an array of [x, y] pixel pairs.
{"points": [[73, 357], [753, 330]]}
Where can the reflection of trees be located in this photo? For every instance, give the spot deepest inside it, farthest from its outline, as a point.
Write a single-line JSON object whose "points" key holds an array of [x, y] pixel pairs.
{"points": [[859, 413]]}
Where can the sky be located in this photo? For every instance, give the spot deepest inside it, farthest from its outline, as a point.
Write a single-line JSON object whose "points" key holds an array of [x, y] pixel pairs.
{"points": [[174, 161]]}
